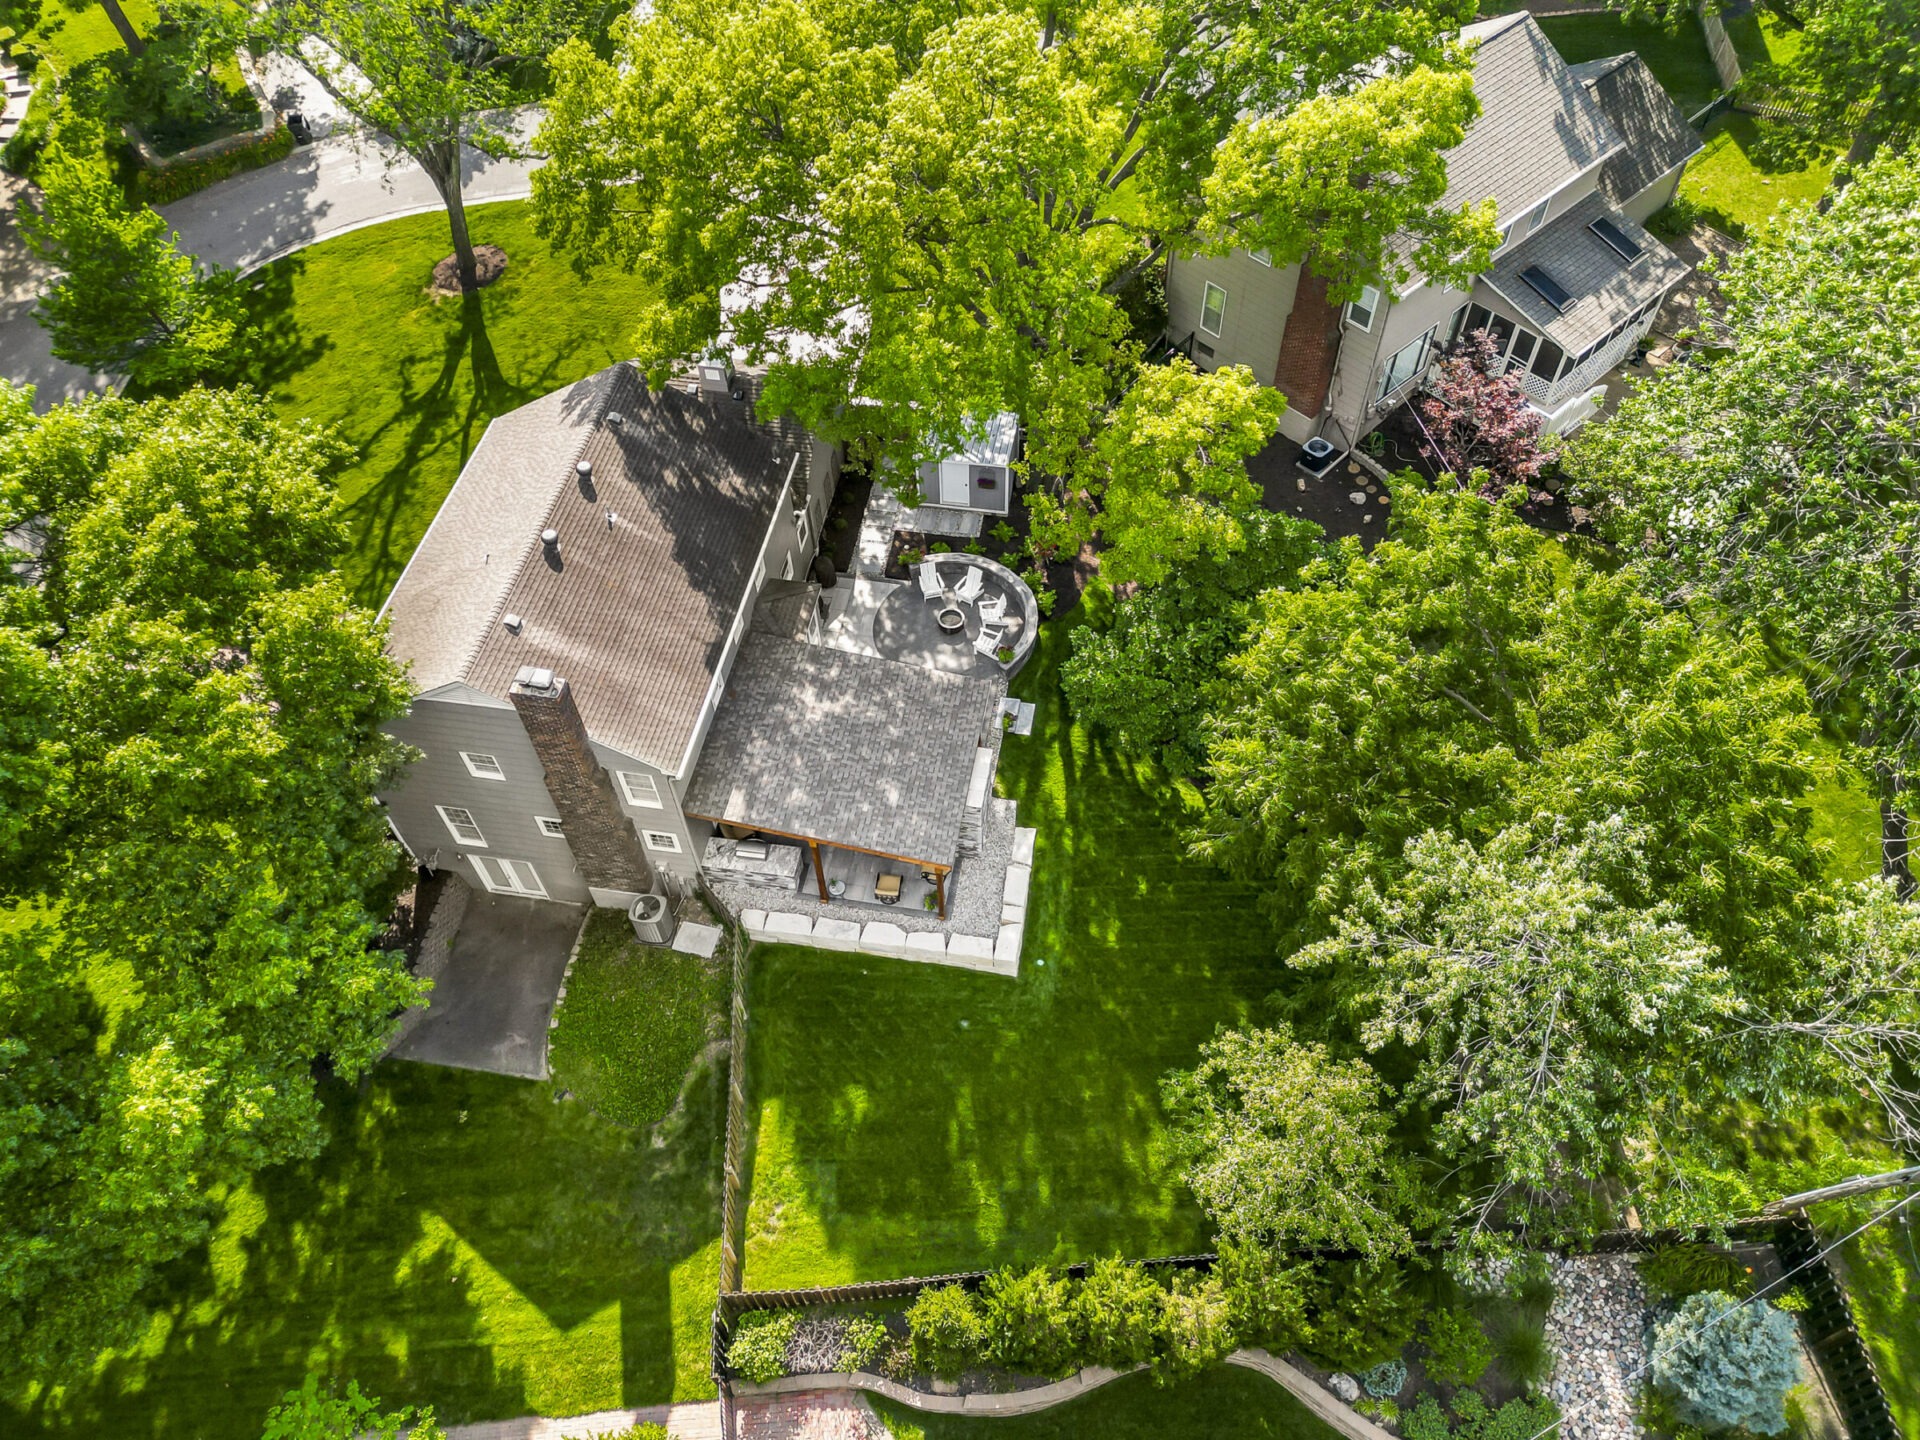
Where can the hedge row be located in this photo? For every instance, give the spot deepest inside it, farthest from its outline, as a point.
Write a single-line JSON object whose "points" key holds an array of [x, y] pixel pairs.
{"points": [[161, 187]]}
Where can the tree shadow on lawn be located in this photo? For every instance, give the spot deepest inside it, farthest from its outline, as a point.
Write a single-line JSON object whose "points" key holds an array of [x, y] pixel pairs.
{"points": [[445, 1248], [934, 1118]]}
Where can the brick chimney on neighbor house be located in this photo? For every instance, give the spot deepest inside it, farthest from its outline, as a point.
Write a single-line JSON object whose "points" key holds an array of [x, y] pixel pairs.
{"points": [[1308, 347], [599, 834]]}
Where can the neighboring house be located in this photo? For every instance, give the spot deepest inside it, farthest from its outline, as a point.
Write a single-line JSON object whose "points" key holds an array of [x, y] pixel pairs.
{"points": [[1575, 158], [979, 476], [612, 641]]}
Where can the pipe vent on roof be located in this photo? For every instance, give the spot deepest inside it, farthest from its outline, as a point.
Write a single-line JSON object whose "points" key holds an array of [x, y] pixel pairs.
{"points": [[550, 539], [512, 622], [585, 471]]}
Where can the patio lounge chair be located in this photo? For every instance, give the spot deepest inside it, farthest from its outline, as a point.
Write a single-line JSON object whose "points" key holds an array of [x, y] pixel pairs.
{"points": [[988, 640], [886, 889], [931, 587], [992, 608], [971, 584]]}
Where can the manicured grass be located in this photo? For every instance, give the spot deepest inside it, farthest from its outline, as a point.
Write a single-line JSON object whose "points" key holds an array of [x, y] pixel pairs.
{"points": [[634, 1020], [1762, 38], [352, 339], [65, 32], [1882, 1272], [1225, 1404], [1679, 59], [1750, 167], [463, 1241], [914, 1119]]}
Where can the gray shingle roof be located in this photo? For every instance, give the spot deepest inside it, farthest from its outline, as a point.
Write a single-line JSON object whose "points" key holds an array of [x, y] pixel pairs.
{"points": [[1605, 288], [1657, 135], [654, 554], [1538, 125], [846, 749]]}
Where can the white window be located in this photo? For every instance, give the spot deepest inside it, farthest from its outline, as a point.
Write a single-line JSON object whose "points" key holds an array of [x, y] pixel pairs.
{"points": [[803, 521], [549, 826], [461, 826], [483, 767], [1213, 308], [786, 568], [1408, 361], [664, 840], [1537, 217], [640, 789], [1360, 312], [1261, 257], [509, 877]]}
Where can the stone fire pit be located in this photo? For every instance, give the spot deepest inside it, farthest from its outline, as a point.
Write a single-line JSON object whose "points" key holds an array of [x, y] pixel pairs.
{"points": [[952, 619]]}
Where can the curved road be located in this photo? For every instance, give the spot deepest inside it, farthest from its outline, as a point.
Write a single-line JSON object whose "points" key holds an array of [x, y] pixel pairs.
{"points": [[321, 190]]}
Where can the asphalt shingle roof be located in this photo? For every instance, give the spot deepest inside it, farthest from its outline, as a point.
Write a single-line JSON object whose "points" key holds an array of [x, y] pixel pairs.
{"points": [[846, 749], [655, 550], [1657, 135], [1606, 289]]}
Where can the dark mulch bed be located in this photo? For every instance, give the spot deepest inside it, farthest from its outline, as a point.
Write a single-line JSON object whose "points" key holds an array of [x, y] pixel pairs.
{"points": [[850, 495], [489, 262], [1548, 509]]}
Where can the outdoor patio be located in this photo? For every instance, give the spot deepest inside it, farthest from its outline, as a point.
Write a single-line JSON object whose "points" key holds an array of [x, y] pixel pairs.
{"points": [[940, 631]]}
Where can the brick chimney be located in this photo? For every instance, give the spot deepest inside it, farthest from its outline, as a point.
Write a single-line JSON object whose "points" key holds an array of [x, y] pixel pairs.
{"points": [[599, 834], [1308, 347]]}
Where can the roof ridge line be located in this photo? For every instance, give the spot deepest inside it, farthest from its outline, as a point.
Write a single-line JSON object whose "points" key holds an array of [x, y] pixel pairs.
{"points": [[606, 381]]}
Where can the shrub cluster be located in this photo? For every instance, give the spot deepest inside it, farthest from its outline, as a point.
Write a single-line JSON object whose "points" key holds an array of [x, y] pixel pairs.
{"points": [[163, 187], [1458, 1351], [1473, 1418], [759, 1348], [1691, 1268], [1727, 1364]]}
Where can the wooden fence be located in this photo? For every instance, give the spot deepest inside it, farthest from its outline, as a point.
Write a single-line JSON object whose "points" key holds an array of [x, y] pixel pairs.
{"points": [[733, 1216], [1726, 60], [1832, 1335]]}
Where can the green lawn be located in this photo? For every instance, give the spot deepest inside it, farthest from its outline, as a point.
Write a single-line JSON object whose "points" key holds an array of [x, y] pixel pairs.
{"points": [[914, 1119], [65, 32], [1750, 167], [1882, 1269], [1679, 60], [352, 339], [1225, 1404], [463, 1241], [1762, 38], [634, 1020]]}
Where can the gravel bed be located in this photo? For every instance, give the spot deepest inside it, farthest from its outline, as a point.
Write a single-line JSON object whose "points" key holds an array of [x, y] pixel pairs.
{"points": [[1598, 1331]]}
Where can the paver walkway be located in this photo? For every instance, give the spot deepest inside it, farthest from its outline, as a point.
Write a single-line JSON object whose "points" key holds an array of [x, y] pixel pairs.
{"points": [[807, 1415]]}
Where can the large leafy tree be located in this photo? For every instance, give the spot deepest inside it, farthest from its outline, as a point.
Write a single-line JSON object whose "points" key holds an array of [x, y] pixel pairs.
{"points": [[1289, 1148], [433, 76], [1454, 680], [199, 710], [1778, 469], [930, 209], [125, 300]]}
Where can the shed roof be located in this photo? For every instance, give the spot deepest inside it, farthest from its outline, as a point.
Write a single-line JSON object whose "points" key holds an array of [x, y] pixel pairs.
{"points": [[1604, 287], [655, 549], [846, 749], [1658, 136]]}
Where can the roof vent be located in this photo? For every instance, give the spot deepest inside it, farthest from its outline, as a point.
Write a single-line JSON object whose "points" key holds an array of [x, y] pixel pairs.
{"points": [[534, 677], [585, 471], [616, 419], [550, 539], [512, 622], [715, 374]]}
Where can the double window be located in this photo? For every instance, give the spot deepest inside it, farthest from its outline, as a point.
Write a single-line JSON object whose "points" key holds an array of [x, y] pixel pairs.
{"points": [[1407, 362], [483, 767], [1360, 312], [662, 840], [1515, 345], [641, 790], [1213, 308], [461, 825]]}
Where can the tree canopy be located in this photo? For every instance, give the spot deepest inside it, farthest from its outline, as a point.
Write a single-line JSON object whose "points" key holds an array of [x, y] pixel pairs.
{"points": [[1777, 469], [195, 862], [931, 209]]}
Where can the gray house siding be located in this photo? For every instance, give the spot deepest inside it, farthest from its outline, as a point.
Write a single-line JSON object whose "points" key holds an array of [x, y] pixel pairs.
{"points": [[1656, 196], [1259, 298], [681, 865], [441, 726]]}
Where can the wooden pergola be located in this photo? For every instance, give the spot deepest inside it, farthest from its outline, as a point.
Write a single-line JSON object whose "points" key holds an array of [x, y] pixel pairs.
{"points": [[938, 869]]}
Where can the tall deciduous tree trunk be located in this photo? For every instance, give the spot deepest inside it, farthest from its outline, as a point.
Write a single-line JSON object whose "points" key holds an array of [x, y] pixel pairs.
{"points": [[442, 164], [129, 36], [1895, 866]]}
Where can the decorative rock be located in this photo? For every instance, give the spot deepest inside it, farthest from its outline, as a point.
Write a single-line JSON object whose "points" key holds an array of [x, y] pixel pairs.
{"points": [[1596, 1330], [1373, 489], [1346, 1387], [1299, 482], [1358, 497]]}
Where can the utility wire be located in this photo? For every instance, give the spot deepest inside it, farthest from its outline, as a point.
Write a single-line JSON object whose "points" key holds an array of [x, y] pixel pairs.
{"points": [[1728, 1313]]}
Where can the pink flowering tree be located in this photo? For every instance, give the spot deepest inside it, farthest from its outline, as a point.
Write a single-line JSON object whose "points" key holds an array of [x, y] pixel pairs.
{"points": [[1475, 418]]}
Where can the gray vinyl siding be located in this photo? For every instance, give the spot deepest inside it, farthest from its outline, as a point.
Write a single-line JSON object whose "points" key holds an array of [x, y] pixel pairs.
{"points": [[505, 810], [1259, 298], [686, 864]]}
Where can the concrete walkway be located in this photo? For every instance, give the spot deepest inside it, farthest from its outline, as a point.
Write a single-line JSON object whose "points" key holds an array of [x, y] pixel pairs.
{"points": [[807, 1415], [322, 190]]}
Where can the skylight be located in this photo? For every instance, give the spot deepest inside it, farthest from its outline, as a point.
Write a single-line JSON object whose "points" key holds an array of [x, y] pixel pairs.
{"points": [[1547, 288], [1621, 243]]}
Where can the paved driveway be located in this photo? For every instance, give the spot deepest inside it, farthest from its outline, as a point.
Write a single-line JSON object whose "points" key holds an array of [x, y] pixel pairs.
{"points": [[489, 1009]]}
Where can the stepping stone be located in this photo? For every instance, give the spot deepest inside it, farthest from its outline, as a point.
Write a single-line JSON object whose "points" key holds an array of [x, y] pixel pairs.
{"points": [[694, 938]]}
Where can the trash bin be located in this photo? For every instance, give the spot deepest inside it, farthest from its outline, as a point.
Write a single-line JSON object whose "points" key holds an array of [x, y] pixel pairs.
{"points": [[652, 919]]}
